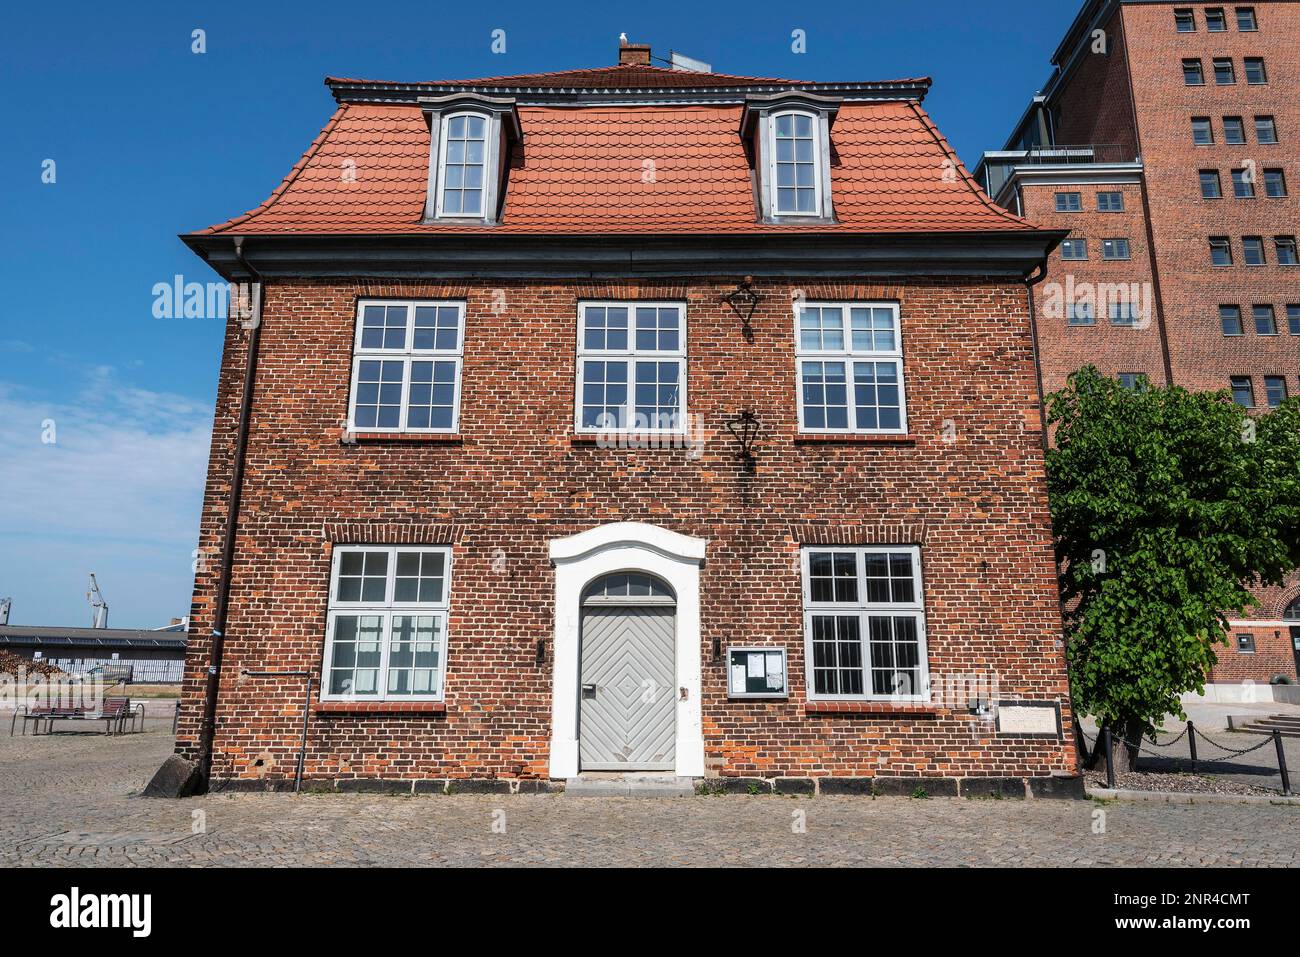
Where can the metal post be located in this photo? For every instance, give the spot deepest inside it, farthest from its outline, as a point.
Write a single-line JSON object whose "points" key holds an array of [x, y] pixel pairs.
{"points": [[1191, 742], [1281, 762], [1110, 759]]}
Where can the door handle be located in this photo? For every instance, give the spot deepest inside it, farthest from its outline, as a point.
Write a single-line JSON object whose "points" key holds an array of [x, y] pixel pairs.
{"points": [[589, 691]]}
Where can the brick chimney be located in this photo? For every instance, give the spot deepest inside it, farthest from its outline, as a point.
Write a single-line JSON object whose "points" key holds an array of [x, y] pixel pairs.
{"points": [[633, 54]]}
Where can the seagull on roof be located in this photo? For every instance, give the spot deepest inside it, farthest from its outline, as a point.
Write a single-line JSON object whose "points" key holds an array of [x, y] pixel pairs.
{"points": [[622, 38]]}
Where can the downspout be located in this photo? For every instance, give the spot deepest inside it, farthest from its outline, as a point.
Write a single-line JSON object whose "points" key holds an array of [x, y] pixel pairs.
{"points": [[1038, 274], [207, 731]]}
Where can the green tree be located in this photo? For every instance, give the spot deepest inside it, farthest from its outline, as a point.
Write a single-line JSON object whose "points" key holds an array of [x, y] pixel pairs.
{"points": [[1167, 505]]}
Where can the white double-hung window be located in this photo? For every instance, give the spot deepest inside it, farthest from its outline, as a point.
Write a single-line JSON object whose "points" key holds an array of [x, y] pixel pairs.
{"points": [[631, 367], [864, 624], [796, 164], [387, 623], [406, 366], [850, 365]]}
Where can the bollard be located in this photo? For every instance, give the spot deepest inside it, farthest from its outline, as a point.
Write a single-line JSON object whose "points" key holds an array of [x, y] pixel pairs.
{"points": [[1281, 763], [1191, 742], [1110, 760]]}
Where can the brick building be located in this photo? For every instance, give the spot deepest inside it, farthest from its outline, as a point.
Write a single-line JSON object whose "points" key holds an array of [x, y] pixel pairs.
{"points": [[536, 449], [1164, 141]]}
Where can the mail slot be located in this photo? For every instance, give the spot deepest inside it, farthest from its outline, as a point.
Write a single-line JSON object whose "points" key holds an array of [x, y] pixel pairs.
{"points": [[589, 691]]}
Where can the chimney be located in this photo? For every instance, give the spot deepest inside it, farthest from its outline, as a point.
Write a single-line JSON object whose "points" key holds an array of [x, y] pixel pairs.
{"points": [[633, 54]]}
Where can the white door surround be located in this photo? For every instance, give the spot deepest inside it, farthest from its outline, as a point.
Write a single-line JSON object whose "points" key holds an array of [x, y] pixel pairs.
{"points": [[626, 547]]}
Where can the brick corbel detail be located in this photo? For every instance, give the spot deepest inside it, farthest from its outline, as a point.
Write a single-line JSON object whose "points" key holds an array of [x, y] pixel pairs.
{"points": [[390, 533], [884, 533]]}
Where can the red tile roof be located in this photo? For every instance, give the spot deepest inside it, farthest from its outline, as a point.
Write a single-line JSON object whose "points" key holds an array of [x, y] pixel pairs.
{"points": [[586, 171]]}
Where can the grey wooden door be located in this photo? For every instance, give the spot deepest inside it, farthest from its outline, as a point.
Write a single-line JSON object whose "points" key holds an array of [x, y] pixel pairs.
{"points": [[627, 718]]}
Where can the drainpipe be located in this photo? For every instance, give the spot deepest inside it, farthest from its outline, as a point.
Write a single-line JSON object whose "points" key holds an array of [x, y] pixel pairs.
{"points": [[1031, 280], [207, 730]]}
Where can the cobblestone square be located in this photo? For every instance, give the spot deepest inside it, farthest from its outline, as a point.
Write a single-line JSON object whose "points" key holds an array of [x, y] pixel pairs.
{"points": [[67, 800]]}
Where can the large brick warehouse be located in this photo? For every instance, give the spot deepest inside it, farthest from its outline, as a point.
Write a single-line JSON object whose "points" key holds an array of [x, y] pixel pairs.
{"points": [[629, 419]]}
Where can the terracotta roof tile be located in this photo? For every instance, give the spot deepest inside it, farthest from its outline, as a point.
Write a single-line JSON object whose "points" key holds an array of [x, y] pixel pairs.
{"points": [[588, 171], [626, 76]]}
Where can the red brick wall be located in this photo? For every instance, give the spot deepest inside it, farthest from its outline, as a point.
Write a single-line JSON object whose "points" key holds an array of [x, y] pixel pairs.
{"points": [[1183, 222], [1113, 349], [1273, 656], [517, 481], [1094, 106]]}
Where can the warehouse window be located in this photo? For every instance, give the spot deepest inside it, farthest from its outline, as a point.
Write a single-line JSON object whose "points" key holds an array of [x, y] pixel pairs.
{"points": [[406, 366], [1074, 249], [1243, 183], [1202, 132], [1275, 390], [1211, 188], [1256, 74], [1265, 321], [1110, 202], [1234, 131], [387, 623], [1114, 249], [1215, 20], [1243, 391], [1230, 320], [1069, 202], [1285, 250], [1184, 20], [1220, 251], [1275, 184], [1252, 250], [850, 361], [1246, 20], [1246, 644], [1224, 73], [864, 623], [1265, 130], [1193, 73]]}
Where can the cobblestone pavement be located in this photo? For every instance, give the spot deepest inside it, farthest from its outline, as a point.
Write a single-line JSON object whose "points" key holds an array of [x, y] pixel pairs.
{"points": [[66, 800]]}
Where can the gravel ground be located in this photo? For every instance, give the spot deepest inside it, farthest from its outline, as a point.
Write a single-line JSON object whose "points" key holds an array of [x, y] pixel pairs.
{"points": [[1176, 782]]}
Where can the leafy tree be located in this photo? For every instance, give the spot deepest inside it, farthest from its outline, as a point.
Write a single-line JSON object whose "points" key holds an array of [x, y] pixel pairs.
{"points": [[1166, 505]]}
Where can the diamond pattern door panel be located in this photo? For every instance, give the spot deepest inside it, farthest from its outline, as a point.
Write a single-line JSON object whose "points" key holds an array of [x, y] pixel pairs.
{"points": [[629, 722]]}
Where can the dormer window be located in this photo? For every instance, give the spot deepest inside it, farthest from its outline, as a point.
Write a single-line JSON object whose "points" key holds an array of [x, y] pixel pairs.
{"points": [[787, 141], [462, 164], [796, 179], [471, 137]]}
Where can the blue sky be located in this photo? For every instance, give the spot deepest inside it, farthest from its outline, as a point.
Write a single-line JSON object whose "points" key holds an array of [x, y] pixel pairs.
{"points": [[150, 139]]}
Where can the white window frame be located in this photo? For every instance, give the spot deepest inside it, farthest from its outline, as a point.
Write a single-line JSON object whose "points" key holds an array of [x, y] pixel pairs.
{"points": [[848, 355], [406, 356], [864, 609], [630, 355], [444, 123], [386, 610], [817, 211]]}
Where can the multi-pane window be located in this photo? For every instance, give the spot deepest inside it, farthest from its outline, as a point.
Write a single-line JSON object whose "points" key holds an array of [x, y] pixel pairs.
{"points": [[1275, 390], [1114, 249], [463, 161], [406, 366], [1079, 314], [1211, 188], [1265, 322], [795, 159], [1252, 250], [387, 623], [1293, 319], [1224, 74], [1243, 183], [1255, 71], [1234, 131], [1285, 249], [1073, 249], [1123, 314], [1220, 251], [1246, 20], [850, 359], [1069, 202], [631, 367], [864, 623], [1202, 132], [1274, 184], [1243, 391], [1230, 320], [1246, 644], [1265, 130], [1215, 20], [1193, 72], [1134, 381], [1110, 202], [1184, 20]]}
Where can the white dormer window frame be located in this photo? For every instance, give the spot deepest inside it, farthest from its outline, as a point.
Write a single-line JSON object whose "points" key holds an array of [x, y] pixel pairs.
{"points": [[453, 135], [789, 158]]}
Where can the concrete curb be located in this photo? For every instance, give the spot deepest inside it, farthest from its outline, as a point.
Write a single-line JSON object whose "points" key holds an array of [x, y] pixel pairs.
{"points": [[1177, 797]]}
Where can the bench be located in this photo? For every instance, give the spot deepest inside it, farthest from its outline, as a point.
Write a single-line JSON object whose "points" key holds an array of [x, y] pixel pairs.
{"points": [[115, 713]]}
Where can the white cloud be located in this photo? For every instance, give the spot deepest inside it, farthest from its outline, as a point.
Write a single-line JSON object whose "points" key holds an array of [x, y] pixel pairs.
{"points": [[122, 484]]}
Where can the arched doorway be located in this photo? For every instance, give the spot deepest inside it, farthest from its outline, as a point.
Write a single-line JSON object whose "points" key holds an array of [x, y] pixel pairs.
{"points": [[668, 558], [1292, 614], [627, 709]]}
